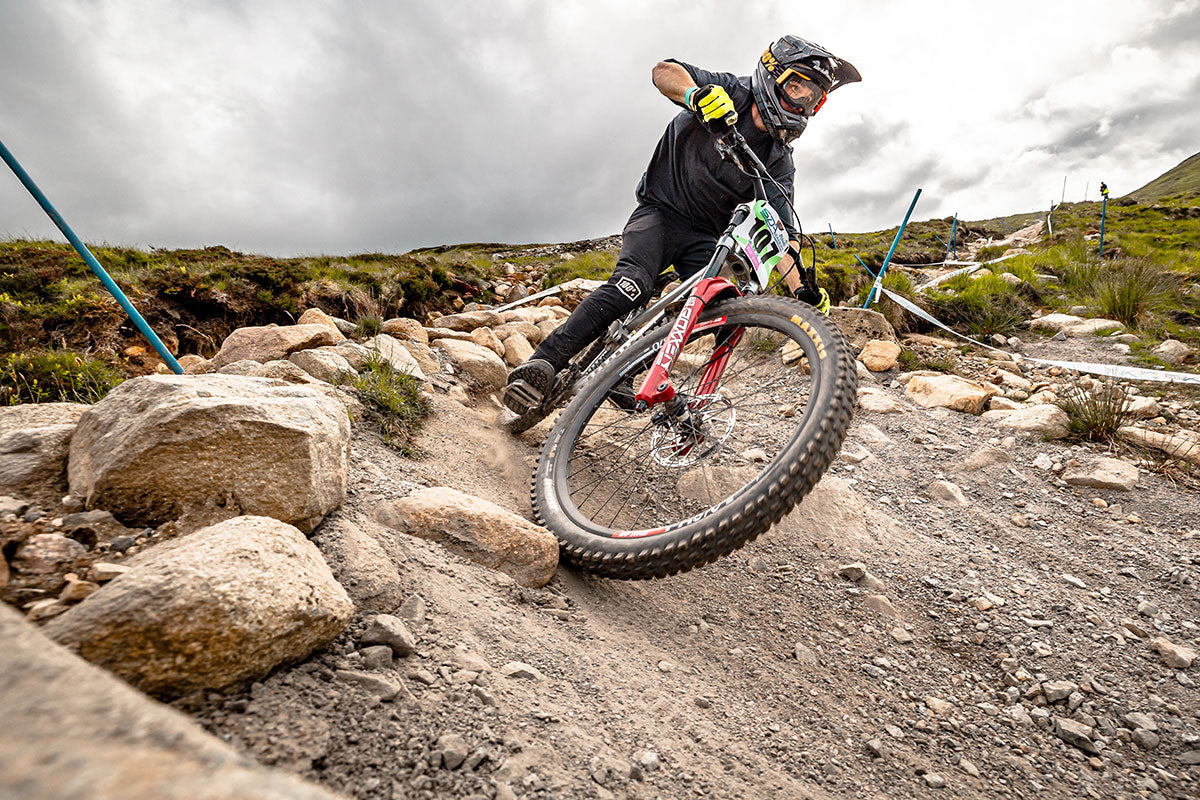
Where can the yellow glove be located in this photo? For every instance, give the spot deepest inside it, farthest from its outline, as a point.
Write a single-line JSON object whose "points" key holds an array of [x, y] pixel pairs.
{"points": [[713, 106]]}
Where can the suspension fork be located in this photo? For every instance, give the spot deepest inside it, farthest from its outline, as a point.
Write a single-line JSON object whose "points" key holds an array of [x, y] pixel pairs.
{"points": [[716, 365], [656, 387]]}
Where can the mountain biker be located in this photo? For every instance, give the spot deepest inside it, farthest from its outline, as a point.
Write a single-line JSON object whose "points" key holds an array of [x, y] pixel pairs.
{"points": [[687, 194]]}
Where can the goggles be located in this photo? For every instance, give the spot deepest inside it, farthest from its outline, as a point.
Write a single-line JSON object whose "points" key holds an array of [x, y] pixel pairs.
{"points": [[798, 93]]}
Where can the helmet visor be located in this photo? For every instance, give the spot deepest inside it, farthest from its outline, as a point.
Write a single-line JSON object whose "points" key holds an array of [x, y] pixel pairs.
{"points": [[798, 93]]}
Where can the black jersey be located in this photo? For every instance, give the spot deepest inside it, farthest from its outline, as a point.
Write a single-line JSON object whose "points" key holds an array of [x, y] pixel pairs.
{"points": [[687, 176]]}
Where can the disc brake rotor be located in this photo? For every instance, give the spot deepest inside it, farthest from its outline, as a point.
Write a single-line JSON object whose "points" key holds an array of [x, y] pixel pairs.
{"points": [[683, 442]]}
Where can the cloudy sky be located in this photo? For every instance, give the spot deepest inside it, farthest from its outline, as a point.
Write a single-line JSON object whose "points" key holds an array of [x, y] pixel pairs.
{"points": [[295, 127]]}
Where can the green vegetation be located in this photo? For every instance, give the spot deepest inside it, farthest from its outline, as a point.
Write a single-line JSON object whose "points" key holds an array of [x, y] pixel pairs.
{"points": [[55, 376], [910, 362], [1096, 412], [1131, 289], [594, 265], [1182, 179], [393, 400], [981, 305]]}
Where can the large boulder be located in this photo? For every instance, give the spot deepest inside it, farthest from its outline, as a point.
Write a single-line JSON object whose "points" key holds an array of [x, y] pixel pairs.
{"points": [[273, 342], [161, 446], [396, 354], [1048, 421], [406, 328], [33, 443], [476, 529], [225, 604], [1184, 445], [72, 731], [315, 316], [862, 325], [879, 355], [486, 368], [324, 365], [949, 391]]}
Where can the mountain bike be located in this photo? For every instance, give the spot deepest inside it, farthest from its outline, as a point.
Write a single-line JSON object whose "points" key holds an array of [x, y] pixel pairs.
{"points": [[694, 425]]}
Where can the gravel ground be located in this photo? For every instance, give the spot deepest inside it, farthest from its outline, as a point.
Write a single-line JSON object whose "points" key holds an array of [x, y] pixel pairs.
{"points": [[890, 638]]}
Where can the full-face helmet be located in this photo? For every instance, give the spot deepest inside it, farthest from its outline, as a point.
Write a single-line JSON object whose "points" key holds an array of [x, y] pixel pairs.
{"points": [[791, 82]]}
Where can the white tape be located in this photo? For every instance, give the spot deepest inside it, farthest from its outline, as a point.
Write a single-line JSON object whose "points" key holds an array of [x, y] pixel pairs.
{"points": [[1107, 370]]}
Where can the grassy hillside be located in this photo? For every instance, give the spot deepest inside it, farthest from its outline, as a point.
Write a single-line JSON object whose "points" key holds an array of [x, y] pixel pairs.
{"points": [[1183, 179]]}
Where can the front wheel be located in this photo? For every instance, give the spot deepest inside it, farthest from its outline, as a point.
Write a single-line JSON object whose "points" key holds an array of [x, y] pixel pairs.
{"points": [[648, 494]]}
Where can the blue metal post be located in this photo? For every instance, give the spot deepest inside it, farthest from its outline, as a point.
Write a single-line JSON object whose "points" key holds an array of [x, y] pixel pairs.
{"points": [[891, 251], [91, 261], [830, 224], [1103, 213], [954, 237]]}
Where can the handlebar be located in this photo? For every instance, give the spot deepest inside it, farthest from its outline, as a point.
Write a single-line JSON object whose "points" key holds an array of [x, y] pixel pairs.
{"points": [[733, 147]]}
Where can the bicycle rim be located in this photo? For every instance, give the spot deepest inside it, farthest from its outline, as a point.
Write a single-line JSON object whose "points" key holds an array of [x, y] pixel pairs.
{"points": [[624, 475]]}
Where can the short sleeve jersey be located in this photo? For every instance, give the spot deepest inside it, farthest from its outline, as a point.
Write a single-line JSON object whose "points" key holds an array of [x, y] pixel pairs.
{"points": [[687, 176]]}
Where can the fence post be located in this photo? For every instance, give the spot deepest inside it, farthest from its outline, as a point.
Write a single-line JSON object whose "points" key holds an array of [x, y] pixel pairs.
{"points": [[91, 261], [888, 260], [1103, 213]]}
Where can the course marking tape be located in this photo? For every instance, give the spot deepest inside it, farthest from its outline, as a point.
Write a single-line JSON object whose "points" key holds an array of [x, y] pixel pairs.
{"points": [[1107, 370]]}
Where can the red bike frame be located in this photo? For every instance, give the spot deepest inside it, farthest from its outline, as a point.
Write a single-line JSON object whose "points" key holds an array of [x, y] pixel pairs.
{"points": [[657, 388]]}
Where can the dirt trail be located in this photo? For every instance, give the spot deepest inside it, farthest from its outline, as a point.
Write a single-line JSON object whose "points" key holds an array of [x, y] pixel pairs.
{"points": [[769, 674]]}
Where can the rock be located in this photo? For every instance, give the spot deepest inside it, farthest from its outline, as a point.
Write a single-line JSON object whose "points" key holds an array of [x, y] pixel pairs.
{"points": [[225, 604], [161, 446], [1058, 690], [360, 564], [423, 354], [517, 669], [985, 457], [486, 369], [934, 780], [377, 656], [412, 611], [478, 530], [1137, 720], [1173, 655], [469, 321], [102, 571], [900, 635], [948, 493], [1184, 445], [1172, 351], [861, 325], [396, 355], [72, 730], [406, 328], [881, 605], [1103, 473], [35, 457], [998, 403], [454, 750], [1147, 740], [91, 527], [324, 365], [939, 706], [383, 687], [193, 364], [391, 631], [273, 342], [948, 391], [315, 316], [1070, 325], [277, 370], [517, 350], [879, 355], [356, 355], [853, 572], [1074, 733], [878, 401], [1142, 407], [1014, 381], [485, 338], [47, 554], [39, 415], [1045, 420]]}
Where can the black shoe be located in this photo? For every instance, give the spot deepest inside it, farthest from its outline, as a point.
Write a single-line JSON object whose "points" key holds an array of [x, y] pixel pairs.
{"points": [[528, 386]]}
